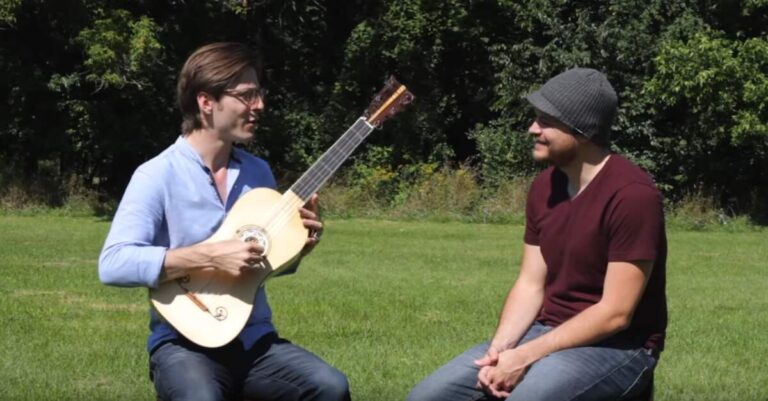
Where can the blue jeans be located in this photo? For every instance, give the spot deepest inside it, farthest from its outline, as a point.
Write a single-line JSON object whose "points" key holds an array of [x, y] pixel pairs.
{"points": [[273, 369], [604, 371]]}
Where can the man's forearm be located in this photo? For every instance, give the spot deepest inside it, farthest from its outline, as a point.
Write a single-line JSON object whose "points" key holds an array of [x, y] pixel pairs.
{"points": [[524, 301], [588, 327], [520, 310], [624, 286], [178, 262]]}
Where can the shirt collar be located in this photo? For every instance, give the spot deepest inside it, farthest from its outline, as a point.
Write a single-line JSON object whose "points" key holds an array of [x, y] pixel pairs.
{"points": [[186, 150]]}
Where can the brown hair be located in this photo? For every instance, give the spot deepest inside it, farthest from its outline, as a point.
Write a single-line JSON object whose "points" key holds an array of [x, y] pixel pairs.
{"points": [[212, 69]]}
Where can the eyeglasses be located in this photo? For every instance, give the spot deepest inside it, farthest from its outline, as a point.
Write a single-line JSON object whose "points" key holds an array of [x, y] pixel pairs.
{"points": [[248, 96]]}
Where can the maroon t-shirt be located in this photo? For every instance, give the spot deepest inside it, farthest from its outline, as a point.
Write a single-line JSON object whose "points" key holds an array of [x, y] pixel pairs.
{"points": [[618, 217]]}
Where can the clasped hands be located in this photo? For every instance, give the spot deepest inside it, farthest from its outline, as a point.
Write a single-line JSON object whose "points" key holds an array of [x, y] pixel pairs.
{"points": [[501, 370]]}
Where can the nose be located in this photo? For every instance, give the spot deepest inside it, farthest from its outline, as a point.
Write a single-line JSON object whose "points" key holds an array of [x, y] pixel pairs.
{"points": [[257, 104], [535, 128]]}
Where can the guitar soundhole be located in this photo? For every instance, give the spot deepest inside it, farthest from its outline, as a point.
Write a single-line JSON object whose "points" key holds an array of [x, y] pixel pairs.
{"points": [[254, 234], [220, 314]]}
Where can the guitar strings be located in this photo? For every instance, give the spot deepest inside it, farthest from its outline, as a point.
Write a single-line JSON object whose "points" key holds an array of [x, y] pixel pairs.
{"points": [[331, 160], [319, 172]]}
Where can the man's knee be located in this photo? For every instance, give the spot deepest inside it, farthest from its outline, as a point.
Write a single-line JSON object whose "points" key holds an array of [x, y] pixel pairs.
{"points": [[427, 390], [330, 385], [454, 380], [195, 382], [447, 383]]}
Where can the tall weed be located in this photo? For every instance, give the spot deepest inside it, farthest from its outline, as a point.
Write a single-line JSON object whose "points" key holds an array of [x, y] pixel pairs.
{"points": [[506, 202], [373, 189], [698, 211], [445, 193], [46, 194]]}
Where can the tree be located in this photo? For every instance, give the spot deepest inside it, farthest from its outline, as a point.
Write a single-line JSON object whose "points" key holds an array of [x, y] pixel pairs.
{"points": [[90, 83]]}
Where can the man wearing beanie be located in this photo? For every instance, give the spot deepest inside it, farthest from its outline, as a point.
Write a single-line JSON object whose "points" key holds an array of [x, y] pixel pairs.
{"points": [[586, 318]]}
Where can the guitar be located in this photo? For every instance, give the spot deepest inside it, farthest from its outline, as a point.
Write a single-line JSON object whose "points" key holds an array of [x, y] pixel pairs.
{"points": [[210, 307]]}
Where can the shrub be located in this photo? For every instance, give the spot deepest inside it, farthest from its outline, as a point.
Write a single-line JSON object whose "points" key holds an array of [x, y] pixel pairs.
{"points": [[45, 193], [445, 193], [372, 180], [698, 211], [338, 200], [505, 153], [506, 202]]}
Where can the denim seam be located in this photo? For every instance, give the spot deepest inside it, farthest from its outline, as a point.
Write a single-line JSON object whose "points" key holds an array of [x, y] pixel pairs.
{"points": [[634, 383], [619, 366]]}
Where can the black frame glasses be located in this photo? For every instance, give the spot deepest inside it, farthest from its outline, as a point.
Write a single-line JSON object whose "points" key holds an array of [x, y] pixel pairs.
{"points": [[248, 96]]}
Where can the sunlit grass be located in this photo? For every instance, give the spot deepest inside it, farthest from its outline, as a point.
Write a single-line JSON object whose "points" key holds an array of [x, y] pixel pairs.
{"points": [[386, 302]]}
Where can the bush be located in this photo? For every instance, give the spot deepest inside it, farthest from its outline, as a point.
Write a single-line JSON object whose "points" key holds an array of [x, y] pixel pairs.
{"points": [[338, 200], [698, 211], [455, 194], [372, 180], [505, 153], [446, 193], [506, 202], [43, 193]]}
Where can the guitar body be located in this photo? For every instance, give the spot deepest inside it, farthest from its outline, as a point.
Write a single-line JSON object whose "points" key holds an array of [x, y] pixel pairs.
{"points": [[261, 215]]}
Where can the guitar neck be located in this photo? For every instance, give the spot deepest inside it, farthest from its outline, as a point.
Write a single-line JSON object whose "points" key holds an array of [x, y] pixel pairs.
{"points": [[331, 160]]}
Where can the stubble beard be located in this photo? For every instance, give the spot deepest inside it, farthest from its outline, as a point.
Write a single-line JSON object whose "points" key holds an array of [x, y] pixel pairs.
{"points": [[557, 157]]}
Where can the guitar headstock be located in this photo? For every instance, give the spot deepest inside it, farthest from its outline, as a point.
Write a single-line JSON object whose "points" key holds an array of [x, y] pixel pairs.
{"points": [[388, 102]]}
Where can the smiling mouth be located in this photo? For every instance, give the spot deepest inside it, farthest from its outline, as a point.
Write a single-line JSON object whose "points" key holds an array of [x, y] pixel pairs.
{"points": [[250, 127]]}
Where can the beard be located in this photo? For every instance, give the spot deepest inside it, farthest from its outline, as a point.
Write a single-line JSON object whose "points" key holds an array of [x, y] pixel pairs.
{"points": [[558, 156]]}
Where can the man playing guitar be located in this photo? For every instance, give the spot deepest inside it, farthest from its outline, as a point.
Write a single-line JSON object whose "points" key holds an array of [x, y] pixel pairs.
{"points": [[177, 200]]}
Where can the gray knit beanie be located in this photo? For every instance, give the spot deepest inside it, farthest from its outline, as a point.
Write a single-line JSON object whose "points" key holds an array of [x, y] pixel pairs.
{"points": [[582, 98]]}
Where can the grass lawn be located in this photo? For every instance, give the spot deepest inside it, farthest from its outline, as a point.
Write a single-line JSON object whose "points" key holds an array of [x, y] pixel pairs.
{"points": [[385, 302]]}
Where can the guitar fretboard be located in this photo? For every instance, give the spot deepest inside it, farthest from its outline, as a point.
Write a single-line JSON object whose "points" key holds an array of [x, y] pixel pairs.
{"points": [[331, 160]]}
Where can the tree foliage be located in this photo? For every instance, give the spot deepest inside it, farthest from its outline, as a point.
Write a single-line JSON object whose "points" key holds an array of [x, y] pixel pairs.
{"points": [[718, 137], [89, 84]]}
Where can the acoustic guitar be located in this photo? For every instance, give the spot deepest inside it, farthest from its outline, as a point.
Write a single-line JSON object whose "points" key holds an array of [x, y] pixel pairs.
{"points": [[210, 307]]}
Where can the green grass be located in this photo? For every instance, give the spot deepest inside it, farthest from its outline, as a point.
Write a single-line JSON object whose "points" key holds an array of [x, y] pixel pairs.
{"points": [[386, 302]]}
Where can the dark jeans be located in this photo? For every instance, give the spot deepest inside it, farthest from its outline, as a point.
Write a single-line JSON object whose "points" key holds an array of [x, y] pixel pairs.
{"points": [[600, 372], [274, 369]]}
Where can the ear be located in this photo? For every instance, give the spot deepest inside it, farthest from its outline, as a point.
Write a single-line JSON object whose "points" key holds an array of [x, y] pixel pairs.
{"points": [[205, 102]]}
